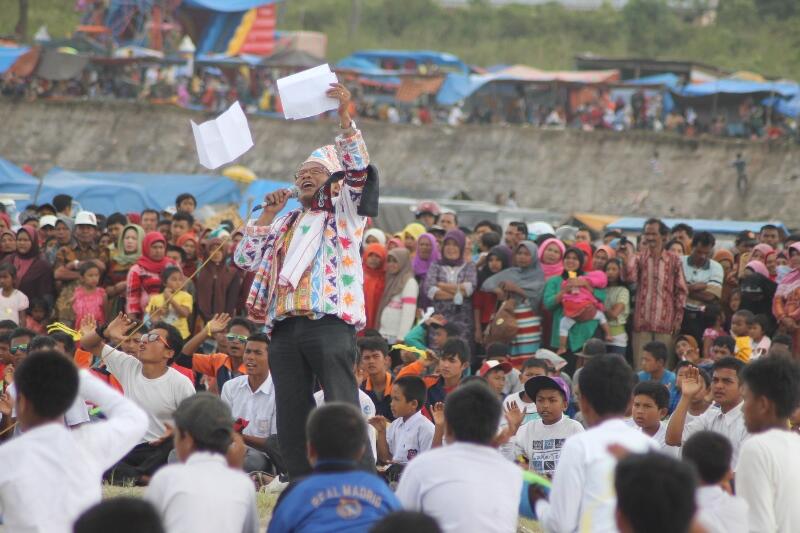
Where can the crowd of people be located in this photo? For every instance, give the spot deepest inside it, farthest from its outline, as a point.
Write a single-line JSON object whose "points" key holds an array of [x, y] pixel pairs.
{"points": [[441, 378]]}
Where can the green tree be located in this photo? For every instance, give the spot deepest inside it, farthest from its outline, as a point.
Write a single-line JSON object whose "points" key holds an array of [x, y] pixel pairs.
{"points": [[777, 8], [652, 26]]}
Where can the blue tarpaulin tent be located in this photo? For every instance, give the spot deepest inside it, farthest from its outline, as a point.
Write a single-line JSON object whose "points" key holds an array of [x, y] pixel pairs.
{"points": [[229, 6], [256, 192], [737, 87], [420, 57], [9, 56], [719, 227]]}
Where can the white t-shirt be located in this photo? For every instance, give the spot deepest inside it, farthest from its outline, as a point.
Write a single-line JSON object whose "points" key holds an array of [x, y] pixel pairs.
{"points": [[582, 497], [258, 407], [157, 397], [10, 306], [768, 478], [464, 487], [367, 405], [527, 408], [542, 444], [76, 415], [730, 424], [719, 512], [663, 447], [409, 438]]}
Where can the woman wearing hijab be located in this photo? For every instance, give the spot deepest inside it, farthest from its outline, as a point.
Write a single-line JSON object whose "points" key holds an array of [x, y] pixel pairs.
{"points": [[551, 257], [524, 283], [398, 306], [553, 294], [217, 285], [411, 234], [191, 247], [450, 284], [602, 256], [484, 303], [786, 304], [757, 291], [126, 253], [144, 276], [34, 273], [586, 249], [374, 235], [427, 255], [374, 262]]}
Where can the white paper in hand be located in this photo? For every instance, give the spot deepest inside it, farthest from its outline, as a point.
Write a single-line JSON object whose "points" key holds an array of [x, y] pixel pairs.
{"points": [[223, 139], [303, 94]]}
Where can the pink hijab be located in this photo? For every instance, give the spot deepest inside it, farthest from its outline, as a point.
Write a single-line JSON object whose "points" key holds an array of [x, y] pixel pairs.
{"points": [[758, 267], [790, 281], [556, 269], [765, 250]]}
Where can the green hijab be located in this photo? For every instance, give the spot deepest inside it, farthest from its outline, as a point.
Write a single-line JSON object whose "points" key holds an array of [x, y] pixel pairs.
{"points": [[125, 259]]}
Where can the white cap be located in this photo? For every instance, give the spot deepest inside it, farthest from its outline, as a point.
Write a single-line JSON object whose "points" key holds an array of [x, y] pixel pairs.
{"points": [[48, 220], [85, 218]]}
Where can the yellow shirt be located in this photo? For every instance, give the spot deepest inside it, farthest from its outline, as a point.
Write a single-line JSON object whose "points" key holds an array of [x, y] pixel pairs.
{"points": [[181, 298], [744, 348]]}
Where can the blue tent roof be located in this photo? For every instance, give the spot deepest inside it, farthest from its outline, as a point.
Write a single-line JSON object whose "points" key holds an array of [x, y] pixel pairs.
{"points": [[228, 6], [788, 107], [738, 87], [9, 56], [668, 80], [420, 56], [256, 192], [720, 227]]}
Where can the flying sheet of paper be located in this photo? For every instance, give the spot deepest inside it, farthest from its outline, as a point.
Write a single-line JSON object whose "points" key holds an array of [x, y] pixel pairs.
{"points": [[303, 94], [223, 139]]}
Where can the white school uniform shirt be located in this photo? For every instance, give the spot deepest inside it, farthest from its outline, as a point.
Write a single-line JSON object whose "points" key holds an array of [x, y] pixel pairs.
{"points": [[719, 512], [258, 407], [158, 397], [542, 443], [582, 497], [465, 487], [409, 438], [204, 494], [660, 438], [730, 424], [76, 415], [52, 474], [768, 478], [367, 405]]}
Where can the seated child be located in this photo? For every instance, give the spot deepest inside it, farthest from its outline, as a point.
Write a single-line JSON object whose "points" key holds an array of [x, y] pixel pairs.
{"points": [[717, 511], [741, 323], [494, 372], [411, 433], [540, 441], [723, 346], [654, 362], [761, 343], [328, 498], [580, 305], [177, 311], [650, 406]]}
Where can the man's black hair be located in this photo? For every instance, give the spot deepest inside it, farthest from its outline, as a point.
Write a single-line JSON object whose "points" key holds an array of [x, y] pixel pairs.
{"points": [[41, 343], [490, 239], [498, 349], [182, 215], [62, 202], [726, 341], [777, 339], [535, 363], [66, 340], [413, 388], [456, 347], [403, 521], [239, 321], [657, 349], [174, 338], [776, 379], [258, 337], [710, 453], [371, 332], [373, 343], [663, 229], [5, 338], [521, 227], [116, 218], [472, 412], [767, 227], [48, 381], [606, 384], [703, 238], [655, 493], [8, 324], [730, 363], [686, 228], [184, 196], [173, 248], [151, 211], [489, 224], [120, 515], [337, 431], [23, 332], [614, 233], [452, 330], [164, 221], [656, 391]]}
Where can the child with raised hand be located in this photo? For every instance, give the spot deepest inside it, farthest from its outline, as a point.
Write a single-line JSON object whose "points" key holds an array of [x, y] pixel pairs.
{"points": [[13, 302], [89, 299], [411, 433], [650, 406], [172, 305]]}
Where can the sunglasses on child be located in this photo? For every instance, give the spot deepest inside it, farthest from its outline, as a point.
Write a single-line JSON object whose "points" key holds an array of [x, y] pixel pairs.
{"points": [[236, 338], [19, 348], [152, 337]]}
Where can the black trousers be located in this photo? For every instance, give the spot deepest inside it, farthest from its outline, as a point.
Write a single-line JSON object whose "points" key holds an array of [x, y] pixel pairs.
{"points": [[142, 460], [303, 351]]}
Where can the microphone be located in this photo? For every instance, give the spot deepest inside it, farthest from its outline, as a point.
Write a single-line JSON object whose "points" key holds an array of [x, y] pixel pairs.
{"points": [[294, 193]]}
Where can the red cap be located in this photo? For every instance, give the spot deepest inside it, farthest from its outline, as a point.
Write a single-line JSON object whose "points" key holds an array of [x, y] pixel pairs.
{"points": [[492, 364]]}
